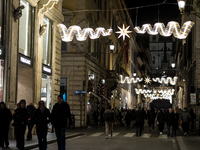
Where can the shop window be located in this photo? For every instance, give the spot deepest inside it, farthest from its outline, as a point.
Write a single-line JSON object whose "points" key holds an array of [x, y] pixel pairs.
{"points": [[46, 90], [47, 42], [26, 29]]}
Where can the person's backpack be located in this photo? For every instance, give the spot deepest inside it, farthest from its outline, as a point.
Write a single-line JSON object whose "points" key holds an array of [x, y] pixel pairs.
{"points": [[109, 116]]}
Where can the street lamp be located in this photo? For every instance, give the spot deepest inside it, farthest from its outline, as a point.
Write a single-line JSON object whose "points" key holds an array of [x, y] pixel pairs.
{"points": [[173, 65], [181, 5], [112, 47]]}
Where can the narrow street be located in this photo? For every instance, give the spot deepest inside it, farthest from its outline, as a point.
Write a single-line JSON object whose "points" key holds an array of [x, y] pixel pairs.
{"points": [[125, 138]]}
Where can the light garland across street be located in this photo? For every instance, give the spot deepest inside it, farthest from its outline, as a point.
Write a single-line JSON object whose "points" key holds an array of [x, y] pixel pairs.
{"points": [[130, 80], [167, 80], [142, 91], [173, 27], [67, 35]]}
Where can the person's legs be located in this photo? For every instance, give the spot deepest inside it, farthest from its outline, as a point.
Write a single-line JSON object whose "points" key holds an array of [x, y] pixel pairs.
{"points": [[152, 124], [187, 127], [29, 135], [17, 137], [171, 130], [6, 136], [44, 140], [141, 126], [39, 136], [58, 136], [1, 137], [62, 138], [136, 128], [107, 128], [111, 129], [21, 136]]}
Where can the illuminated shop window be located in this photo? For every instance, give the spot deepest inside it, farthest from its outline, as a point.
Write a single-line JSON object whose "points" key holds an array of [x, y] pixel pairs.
{"points": [[26, 29], [47, 42]]}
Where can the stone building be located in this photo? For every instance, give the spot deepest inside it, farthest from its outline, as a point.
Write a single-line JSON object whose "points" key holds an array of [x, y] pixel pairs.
{"points": [[187, 60], [30, 51]]}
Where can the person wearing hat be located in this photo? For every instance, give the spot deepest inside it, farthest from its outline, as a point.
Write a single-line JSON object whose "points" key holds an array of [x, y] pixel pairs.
{"points": [[20, 118], [60, 115], [5, 117], [186, 121]]}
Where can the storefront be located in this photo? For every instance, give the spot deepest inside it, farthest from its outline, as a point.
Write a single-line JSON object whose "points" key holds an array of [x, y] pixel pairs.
{"points": [[2, 66], [46, 87]]}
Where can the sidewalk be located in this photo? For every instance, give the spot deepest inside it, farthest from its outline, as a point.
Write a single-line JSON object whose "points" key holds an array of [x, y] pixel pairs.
{"points": [[51, 138]]}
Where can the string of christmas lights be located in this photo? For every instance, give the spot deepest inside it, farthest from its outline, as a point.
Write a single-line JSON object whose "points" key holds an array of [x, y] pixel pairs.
{"points": [[130, 80], [172, 27]]}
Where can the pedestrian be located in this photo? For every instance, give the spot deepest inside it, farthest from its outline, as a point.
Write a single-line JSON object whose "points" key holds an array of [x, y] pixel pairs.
{"points": [[41, 118], [185, 121], [96, 116], [60, 115], [5, 117], [193, 117], [139, 120], [161, 121], [176, 122], [30, 123], [128, 118], [109, 118], [170, 122], [151, 119], [20, 118]]}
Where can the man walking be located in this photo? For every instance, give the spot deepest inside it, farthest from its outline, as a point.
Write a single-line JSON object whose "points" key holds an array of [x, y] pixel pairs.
{"points": [[170, 122], [60, 114], [151, 119], [161, 120], [186, 120], [41, 118], [30, 123], [109, 118], [139, 116], [5, 117]]}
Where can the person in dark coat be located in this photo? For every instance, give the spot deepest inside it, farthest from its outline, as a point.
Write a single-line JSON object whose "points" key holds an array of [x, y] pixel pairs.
{"points": [[151, 119], [161, 120], [170, 122], [176, 122], [30, 123], [193, 117], [42, 118], [128, 118], [60, 114], [185, 117], [139, 120], [20, 118], [5, 117]]}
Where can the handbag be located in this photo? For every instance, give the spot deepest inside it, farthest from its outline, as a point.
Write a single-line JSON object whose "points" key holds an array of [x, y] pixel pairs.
{"points": [[180, 123]]}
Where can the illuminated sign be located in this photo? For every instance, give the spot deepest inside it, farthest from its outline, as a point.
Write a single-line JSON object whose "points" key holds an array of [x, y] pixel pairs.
{"points": [[25, 61], [46, 69]]}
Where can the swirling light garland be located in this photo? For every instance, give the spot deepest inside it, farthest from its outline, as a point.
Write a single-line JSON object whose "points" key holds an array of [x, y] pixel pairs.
{"points": [[169, 92], [154, 96], [166, 80], [67, 35], [142, 91], [130, 80], [172, 27]]}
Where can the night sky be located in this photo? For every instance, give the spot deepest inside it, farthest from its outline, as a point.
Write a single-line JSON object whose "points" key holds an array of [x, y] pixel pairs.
{"points": [[167, 12]]}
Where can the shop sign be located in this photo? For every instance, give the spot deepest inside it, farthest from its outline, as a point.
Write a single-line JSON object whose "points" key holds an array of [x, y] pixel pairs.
{"points": [[46, 70], [198, 96], [192, 98], [25, 60], [80, 92]]}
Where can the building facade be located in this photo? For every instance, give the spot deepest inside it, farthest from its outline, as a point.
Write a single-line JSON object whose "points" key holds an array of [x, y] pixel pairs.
{"points": [[31, 51]]}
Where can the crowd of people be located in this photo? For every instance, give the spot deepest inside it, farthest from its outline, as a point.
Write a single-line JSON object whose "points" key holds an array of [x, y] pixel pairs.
{"points": [[169, 117], [25, 117]]}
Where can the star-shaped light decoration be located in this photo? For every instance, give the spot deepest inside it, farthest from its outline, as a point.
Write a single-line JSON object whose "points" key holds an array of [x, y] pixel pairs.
{"points": [[123, 32], [147, 80]]}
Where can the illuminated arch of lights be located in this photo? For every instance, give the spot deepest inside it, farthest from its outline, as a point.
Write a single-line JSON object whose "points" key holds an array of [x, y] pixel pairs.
{"points": [[166, 80], [172, 27], [142, 91], [169, 92], [67, 35], [130, 80]]}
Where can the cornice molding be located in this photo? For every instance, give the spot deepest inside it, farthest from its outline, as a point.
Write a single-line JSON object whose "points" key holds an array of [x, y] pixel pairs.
{"points": [[33, 2], [54, 15], [46, 5]]}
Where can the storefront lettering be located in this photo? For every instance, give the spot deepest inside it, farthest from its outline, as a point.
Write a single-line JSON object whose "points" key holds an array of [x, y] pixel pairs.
{"points": [[25, 61], [45, 69]]}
